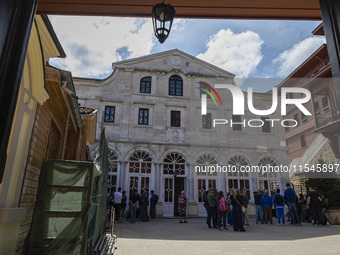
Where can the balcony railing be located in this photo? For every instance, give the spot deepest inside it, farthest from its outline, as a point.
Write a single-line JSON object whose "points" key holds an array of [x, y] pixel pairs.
{"points": [[326, 118]]}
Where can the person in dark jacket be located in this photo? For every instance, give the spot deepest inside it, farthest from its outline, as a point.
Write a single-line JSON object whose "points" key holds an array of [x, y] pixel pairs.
{"points": [[267, 204], [133, 201], [212, 209], [143, 205], [153, 203], [237, 201], [314, 203], [258, 207]]}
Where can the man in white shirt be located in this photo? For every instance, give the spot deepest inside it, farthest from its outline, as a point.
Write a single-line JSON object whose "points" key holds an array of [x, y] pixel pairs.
{"points": [[117, 202]]}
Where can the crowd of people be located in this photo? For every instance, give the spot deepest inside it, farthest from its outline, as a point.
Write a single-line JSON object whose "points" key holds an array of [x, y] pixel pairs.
{"points": [[225, 211], [137, 203], [232, 209]]}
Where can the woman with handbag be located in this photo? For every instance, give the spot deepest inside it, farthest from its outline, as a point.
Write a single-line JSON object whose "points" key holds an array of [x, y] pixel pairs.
{"points": [[182, 207], [237, 212]]}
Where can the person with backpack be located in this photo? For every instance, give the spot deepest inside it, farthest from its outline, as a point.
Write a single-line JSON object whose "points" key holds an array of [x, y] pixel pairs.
{"points": [[267, 204], [221, 211], [123, 203], [279, 202], [153, 203], [258, 207], [291, 203]]}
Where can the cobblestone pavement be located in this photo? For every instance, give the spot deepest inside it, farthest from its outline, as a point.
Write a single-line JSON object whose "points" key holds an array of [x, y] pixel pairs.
{"points": [[167, 236]]}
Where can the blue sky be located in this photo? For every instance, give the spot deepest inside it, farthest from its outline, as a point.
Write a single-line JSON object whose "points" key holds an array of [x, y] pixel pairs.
{"points": [[247, 48]]}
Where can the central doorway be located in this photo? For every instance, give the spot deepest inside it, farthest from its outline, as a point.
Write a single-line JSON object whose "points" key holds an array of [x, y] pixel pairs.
{"points": [[179, 187]]}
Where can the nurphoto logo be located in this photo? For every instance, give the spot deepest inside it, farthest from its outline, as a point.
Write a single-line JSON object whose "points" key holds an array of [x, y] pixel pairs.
{"points": [[239, 99]]}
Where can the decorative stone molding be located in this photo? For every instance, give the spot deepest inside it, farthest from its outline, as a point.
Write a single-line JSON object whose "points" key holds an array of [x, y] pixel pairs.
{"points": [[176, 61], [175, 135]]}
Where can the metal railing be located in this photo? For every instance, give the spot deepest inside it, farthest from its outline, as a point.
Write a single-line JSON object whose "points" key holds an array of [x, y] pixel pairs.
{"points": [[326, 118]]}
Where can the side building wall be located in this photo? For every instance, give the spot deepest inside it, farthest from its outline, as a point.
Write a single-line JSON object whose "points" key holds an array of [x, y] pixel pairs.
{"points": [[42, 46], [49, 131]]}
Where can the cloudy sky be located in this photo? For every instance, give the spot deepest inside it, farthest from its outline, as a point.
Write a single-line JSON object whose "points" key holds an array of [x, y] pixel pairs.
{"points": [[247, 48]]}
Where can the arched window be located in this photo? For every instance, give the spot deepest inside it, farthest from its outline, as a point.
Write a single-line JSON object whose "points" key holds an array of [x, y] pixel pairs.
{"points": [[268, 177], [238, 179], [270, 164], [140, 164], [205, 163], [236, 162], [145, 85], [174, 163], [175, 86], [113, 161]]}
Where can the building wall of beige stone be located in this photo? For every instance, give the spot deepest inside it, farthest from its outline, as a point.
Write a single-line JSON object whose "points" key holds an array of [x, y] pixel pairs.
{"points": [[326, 153], [191, 141], [299, 185]]}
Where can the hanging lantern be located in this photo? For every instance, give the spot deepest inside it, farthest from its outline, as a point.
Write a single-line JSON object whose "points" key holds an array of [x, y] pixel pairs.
{"points": [[162, 17]]}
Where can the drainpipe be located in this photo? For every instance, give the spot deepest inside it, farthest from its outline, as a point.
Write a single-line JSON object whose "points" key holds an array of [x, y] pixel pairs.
{"points": [[65, 135]]}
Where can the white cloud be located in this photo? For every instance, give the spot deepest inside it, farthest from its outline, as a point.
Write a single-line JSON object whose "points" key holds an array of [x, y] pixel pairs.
{"points": [[292, 58], [92, 44], [178, 25], [237, 53]]}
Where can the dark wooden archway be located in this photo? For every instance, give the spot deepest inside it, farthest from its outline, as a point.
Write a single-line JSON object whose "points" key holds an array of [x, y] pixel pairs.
{"points": [[225, 9]]}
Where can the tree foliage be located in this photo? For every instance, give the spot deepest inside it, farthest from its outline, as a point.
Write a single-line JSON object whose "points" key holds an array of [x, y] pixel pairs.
{"points": [[329, 187]]}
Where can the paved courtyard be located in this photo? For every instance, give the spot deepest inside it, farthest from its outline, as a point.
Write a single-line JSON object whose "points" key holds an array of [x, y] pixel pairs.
{"points": [[167, 236]]}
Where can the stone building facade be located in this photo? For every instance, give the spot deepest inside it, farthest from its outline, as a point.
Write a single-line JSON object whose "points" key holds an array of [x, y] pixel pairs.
{"points": [[158, 139]]}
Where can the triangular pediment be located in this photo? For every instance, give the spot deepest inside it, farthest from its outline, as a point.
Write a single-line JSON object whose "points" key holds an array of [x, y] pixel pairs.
{"points": [[171, 60]]}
